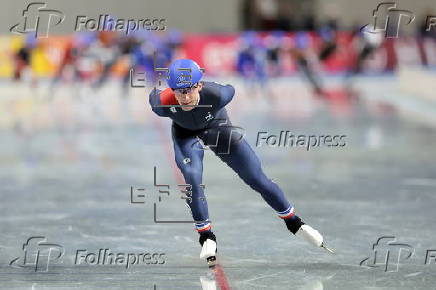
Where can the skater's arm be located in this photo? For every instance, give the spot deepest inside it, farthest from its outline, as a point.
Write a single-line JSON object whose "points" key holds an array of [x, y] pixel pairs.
{"points": [[226, 93], [155, 102], [219, 95]]}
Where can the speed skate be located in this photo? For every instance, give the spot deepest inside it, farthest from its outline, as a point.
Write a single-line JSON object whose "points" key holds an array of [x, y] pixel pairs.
{"points": [[313, 237], [296, 226], [208, 248], [208, 252]]}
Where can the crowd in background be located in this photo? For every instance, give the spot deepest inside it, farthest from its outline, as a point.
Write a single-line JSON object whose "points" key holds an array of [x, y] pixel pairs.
{"points": [[260, 53]]}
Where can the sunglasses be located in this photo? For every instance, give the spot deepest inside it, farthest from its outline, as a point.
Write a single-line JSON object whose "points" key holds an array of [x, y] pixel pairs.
{"points": [[185, 91]]}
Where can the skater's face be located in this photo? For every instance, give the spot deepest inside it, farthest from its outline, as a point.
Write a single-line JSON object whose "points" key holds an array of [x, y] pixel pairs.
{"points": [[188, 96]]}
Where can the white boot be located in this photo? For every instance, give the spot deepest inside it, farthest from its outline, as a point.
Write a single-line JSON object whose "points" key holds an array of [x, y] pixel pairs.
{"points": [[208, 252], [312, 236], [208, 283], [208, 249]]}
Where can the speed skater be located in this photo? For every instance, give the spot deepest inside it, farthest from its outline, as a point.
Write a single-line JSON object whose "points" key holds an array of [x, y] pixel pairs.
{"points": [[197, 109]]}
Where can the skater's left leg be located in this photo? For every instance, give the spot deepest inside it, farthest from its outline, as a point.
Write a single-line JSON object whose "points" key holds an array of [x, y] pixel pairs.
{"points": [[242, 159], [237, 153]]}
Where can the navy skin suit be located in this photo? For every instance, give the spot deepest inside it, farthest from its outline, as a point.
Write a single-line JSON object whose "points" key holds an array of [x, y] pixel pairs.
{"points": [[212, 126]]}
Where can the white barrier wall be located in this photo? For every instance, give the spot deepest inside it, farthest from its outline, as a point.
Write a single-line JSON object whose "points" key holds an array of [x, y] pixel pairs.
{"points": [[418, 82]]}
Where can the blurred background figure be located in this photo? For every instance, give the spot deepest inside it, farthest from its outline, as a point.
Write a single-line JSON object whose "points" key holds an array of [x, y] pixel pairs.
{"points": [[367, 42], [302, 44], [23, 59], [252, 63]]}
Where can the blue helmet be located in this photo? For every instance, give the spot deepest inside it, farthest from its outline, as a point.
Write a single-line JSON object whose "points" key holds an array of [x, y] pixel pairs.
{"points": [[183, 73]]}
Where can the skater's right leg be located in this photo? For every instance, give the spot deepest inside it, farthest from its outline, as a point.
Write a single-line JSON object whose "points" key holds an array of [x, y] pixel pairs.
{"points": [[189, 159]]}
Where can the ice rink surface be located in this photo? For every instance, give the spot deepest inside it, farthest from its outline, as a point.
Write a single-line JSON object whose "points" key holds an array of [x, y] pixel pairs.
{"points": [[72, 160]]}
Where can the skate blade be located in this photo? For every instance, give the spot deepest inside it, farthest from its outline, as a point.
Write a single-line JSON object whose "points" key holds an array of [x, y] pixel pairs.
{"points": [[327, 249], [211, 261]]}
